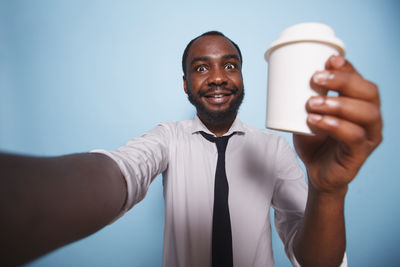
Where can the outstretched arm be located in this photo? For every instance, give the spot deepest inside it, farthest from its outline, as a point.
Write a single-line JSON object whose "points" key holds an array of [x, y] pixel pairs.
{"points": [[348, 128], [46, 203]]}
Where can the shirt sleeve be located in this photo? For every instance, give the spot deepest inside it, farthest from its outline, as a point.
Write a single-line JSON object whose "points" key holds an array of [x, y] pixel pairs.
{"points": [[289, 199], [140, 161]]}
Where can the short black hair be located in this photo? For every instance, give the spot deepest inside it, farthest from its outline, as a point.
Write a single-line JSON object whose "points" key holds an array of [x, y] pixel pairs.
{"points": [[186, 51]]}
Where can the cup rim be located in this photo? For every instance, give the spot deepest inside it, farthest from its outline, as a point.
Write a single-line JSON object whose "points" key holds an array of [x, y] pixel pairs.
{"points": [[277, 45], [305, 32]]}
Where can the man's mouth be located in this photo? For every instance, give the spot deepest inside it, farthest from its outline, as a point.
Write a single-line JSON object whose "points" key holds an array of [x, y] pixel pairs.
{"points": [[218, 98], [218, 95]]}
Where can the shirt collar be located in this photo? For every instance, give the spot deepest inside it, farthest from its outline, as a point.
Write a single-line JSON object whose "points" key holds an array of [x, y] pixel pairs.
{"points": [[237, 127]]}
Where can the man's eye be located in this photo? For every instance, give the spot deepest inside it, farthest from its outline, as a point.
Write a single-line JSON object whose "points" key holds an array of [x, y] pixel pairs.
{"points": [[230, 66], [201, 68]]}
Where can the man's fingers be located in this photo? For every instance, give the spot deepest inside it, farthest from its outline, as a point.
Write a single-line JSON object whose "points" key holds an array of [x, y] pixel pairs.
{"points": [[347, 84], [344, 131], [363, 113], [354, 110], [356, 107], [340, 76], [339, 63]]}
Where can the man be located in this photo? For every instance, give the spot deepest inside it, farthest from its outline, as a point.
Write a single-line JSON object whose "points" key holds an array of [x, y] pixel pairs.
{"points": [[59, 200]]}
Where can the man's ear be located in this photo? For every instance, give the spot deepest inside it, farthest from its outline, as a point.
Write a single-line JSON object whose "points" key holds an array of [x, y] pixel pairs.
{"points": [[185, 84]]}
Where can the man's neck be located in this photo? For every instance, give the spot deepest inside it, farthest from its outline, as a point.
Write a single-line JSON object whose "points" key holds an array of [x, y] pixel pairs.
{"points": [[218, 129]]}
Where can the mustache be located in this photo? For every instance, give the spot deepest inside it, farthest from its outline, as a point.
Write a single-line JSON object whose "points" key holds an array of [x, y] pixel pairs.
{"points": [[213, 89]]}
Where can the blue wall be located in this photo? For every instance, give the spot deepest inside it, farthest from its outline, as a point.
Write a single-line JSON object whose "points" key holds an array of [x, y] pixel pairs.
{"points": [[78, 75]]}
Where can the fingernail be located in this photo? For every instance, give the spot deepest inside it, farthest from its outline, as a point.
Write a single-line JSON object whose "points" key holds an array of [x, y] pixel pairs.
{"points": [[314, 118], [322, 77], [338, 61], [316, 101], [331, 122], [332, 103]]}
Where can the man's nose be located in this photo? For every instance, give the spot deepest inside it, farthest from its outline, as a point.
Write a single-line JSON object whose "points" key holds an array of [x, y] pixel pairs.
{"points": [[217, 77]]}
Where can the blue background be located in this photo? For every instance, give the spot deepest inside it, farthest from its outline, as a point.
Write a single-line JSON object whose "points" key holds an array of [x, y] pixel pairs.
{"points": [[79, 75]]}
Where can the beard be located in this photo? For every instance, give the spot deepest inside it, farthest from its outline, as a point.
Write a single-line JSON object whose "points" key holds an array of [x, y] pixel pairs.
{"points": [[217, 117]]}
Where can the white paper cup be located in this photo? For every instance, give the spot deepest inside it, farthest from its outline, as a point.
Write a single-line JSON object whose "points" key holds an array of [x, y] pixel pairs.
{"points": [[299, 52]]}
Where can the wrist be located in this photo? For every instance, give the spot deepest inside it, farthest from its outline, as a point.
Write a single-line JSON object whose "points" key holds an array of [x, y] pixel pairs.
{"points": [[336, 193], [328, 187]]}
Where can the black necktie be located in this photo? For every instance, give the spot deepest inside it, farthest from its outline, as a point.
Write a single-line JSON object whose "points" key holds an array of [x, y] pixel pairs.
{"points": [[221, 230]]}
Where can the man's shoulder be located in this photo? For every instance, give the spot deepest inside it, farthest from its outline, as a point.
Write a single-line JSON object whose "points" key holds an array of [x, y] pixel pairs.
{"points": [[173, 128], [183, 124]]}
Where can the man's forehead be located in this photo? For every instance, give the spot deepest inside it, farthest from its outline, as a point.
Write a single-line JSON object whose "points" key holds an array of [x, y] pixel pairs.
{"points": [[212, 46]]}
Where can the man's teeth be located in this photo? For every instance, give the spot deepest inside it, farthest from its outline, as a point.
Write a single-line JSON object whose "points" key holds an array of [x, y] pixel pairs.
{"points": [[217, 96]]}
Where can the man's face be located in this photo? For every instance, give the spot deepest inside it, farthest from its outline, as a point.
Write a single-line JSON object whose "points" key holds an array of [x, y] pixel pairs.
{"points": [[213, 79]]}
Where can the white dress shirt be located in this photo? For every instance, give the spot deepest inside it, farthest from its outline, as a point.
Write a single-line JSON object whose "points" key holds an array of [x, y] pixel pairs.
{"points": [[261, 168]]}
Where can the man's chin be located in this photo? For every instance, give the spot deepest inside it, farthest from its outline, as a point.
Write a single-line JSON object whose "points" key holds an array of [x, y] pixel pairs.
{"points": [[216, 117], [215, 109]]}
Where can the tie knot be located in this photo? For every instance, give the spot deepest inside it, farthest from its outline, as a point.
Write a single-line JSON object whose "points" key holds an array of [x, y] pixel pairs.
{"points": [[221, 142]]}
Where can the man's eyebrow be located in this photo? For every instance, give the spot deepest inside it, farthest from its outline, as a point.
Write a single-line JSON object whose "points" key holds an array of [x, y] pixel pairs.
{"points": [[199, 59], [234, 56], [205, 58]]}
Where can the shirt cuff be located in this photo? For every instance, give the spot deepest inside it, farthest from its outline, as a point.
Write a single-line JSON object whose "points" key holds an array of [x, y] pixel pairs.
{"points": [[128, 202], [293, 260]]}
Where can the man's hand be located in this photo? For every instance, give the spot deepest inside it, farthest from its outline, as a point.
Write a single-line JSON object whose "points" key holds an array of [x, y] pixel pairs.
{"points": [[348, 127]]}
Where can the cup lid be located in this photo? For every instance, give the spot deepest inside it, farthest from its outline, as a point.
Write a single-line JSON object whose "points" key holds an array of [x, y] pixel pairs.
{"points": [[308, 31]]}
